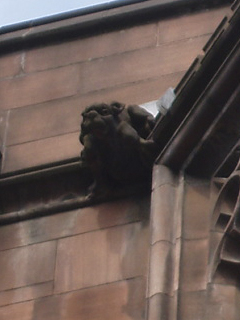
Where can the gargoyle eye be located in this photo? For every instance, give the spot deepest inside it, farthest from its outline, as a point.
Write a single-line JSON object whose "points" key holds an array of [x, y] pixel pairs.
{"points": [[104, 112]]}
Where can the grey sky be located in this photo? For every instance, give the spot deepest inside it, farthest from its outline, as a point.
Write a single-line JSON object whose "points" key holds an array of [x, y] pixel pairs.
{"points": [[14, 11]]}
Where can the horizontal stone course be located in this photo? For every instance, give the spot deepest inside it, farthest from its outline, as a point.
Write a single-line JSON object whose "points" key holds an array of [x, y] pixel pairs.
{"points": [[39, 87], [125, 40], [91, 48], [41, 152], [101, 257], [45, 120], [142, 64], [190, 25], [17, 311], [122, 300], [99, 248], [64, 115], [10, 65], [27, 265], [43, 105], [75, 222], [25, 293]]}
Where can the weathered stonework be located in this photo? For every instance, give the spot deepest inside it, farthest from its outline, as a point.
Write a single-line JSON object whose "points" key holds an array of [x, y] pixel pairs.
{"points": [[67, 257], [117, 150]]}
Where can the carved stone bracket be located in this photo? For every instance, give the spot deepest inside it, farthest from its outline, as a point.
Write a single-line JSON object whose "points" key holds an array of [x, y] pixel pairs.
{"points": [[116, 147]]}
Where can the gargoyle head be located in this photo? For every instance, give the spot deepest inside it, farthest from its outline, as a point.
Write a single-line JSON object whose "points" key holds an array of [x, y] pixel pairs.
{"points": [[98, 119], [116, 148]]}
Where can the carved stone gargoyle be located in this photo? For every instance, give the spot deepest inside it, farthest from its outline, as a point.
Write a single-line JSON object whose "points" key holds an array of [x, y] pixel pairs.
{"points": [[116, 149]]}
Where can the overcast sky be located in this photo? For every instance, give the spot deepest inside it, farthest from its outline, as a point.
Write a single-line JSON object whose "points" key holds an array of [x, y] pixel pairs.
{"points": [[14, 11]]}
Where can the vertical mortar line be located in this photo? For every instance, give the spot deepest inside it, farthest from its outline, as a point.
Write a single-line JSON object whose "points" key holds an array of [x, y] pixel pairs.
{"points": [[22, 62], [149, 258], [4, 142], [150, 250], [55, 267], [180, 199], [157, 33]]}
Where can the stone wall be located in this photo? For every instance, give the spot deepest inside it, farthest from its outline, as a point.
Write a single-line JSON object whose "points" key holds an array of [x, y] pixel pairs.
{"points": [[92, 263], [179, 254], [44, 89], [85, 264], [194, 251]]}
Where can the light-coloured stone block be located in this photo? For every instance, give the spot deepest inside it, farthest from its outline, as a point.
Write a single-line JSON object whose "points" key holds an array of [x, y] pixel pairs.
{"points": [[162, 213], [192, 305], [196, 209], [162, 175], [101, 257], [27, 265], [23, 311], [194, 265], [161, 269], [162, 307], [223, 302]]}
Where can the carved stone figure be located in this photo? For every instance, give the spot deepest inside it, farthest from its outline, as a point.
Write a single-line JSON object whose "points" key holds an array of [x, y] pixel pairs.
{"points": [[116, 149]]}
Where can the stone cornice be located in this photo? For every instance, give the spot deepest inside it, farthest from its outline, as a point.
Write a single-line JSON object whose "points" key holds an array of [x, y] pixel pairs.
{"points": [[45, 31]]}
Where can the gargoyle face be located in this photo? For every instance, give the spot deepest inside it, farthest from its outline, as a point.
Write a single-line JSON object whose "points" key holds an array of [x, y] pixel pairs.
{"points": [[96, 119]]}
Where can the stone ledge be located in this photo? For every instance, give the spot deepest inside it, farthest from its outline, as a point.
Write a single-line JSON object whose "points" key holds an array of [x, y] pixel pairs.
{"points": [[42, 31], [54, 189]]}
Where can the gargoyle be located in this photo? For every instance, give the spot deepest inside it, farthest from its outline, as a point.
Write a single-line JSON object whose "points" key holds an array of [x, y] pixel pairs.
{"points": [[116, 149]]}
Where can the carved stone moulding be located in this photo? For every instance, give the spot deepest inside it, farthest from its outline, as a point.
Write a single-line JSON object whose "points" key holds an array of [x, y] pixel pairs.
{"points": [[225, 235]]}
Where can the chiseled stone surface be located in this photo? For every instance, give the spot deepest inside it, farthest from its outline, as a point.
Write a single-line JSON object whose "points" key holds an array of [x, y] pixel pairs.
{"points": [[163, 175], [75, 222], [223, 302], [124, 300], [99, 249], [31, 123], [162, 307], [165, 249], [45, 88], [27, 265], [164, 268], [17, 311], [101, 257], [30, 154], [192, 305], [174, 58], [194, 265], [161, 268], [162, 213], [10, 65], [179, 255], [34, 291], [104, 243], [90, 48], [37, 88], [196, 208], [191, 25]]}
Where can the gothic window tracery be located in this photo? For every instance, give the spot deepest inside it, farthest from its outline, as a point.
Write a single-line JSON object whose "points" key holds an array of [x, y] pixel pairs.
{"points": [[225, 233]]}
